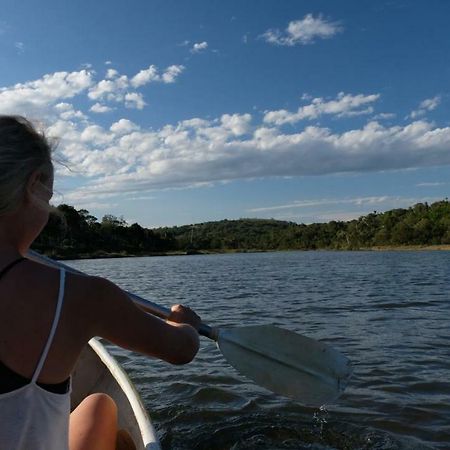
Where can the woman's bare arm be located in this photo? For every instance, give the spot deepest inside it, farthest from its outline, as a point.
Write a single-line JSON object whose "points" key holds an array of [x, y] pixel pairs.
{"points": [[116, 318]]}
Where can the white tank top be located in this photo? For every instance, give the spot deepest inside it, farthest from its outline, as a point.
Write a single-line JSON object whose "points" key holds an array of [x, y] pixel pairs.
{"points": [[32, 418]]}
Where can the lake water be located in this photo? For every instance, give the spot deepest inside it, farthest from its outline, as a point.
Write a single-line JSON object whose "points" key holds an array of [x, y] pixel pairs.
{"points": [[389, 312]]}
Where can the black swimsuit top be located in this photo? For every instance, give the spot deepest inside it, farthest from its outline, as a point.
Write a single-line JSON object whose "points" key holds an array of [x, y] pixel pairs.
{"points": [[10, 380]]}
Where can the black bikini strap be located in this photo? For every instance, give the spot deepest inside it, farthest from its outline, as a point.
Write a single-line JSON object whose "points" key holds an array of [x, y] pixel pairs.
{"points": [[10, 266]]}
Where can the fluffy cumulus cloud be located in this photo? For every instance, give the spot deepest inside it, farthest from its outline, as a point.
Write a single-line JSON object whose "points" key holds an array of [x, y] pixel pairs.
{"points": [[145, 76], [126, 158], [121, 89], [121, 156], [123, 126], [134, 100], [33, 97], [302, 32], [99, 108], [68, 112], [345, 105], [48, 96], [171, 73], [152, 75]]}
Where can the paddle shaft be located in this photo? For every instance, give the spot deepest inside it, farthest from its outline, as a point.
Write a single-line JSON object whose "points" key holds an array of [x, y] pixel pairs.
{"points": [[146, 305]]}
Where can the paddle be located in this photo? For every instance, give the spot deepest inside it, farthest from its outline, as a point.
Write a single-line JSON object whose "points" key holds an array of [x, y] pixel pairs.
{"points": [[282, 361]]}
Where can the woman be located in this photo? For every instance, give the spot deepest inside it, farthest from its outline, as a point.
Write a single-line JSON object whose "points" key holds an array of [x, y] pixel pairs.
{"points": [[47, 316]]}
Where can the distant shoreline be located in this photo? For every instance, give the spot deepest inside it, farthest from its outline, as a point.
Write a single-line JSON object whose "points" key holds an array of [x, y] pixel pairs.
{"points": [[111, 255], [439, 247], [80, 235]]}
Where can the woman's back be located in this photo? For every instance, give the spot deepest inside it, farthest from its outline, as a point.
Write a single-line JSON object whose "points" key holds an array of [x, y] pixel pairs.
{"points": [[46, 318], [28, 298], [32, 415]]}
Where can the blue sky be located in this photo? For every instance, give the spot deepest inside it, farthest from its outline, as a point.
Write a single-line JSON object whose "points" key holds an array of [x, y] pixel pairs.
{"points": [[175, 112]]}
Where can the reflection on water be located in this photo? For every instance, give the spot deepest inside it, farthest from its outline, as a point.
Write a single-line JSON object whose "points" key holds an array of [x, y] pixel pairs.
{"points": [[387, 311]]}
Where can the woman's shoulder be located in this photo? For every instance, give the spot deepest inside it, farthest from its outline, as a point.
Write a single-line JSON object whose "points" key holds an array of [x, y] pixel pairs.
{"points": [[43, 274], [78, 289], [85, 296], [41, 271]]}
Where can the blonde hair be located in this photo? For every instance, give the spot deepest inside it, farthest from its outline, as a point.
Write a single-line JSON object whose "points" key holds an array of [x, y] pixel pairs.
{"points": [[22, 151]]}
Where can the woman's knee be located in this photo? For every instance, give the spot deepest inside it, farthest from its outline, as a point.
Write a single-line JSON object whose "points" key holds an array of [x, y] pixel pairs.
{"points": [[93, 424], [101, 404]]}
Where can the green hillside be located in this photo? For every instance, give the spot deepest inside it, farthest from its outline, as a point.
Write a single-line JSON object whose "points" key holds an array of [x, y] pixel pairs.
{"points": [[75, 233]]}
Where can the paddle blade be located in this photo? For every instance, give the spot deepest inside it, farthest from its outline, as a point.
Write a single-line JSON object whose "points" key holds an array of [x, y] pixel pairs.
{"points": [[286, 363]]}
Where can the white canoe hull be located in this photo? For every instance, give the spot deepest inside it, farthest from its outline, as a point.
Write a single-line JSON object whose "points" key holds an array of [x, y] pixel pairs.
{"points": [[98, 371]]}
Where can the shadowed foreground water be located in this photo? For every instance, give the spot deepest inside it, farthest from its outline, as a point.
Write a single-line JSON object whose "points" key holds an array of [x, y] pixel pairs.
{"points": [[387, 311]]}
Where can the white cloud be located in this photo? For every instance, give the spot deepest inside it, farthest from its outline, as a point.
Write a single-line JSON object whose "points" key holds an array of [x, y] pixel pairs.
{"points": [[145, 76], [36, 97], [344, 105], [120, 157], [116, 87], [96, 135], [102, 89], [171, 73], [358, 201], [89, 205], [426, 105], [99, 108], [143, 197], [199, 47], [134, 100], [236, 123], [151, 75], [68, 112], [303, 31], [63, 106], [431, 184], [123, 126], [431, 103], [195, 123], [384, 116], [111, 73], [197, 152], [326, 209], [111, 89]]}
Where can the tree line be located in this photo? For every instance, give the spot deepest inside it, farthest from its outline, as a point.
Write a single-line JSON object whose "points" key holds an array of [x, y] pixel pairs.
{"points": [[72, 233]]}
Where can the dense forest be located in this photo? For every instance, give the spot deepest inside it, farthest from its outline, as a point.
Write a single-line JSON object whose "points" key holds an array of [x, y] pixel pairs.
{"points": [[72, 233]]}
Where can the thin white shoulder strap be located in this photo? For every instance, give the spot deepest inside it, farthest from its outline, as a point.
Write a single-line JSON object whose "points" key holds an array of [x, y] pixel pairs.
{"points": [[37, 372]]}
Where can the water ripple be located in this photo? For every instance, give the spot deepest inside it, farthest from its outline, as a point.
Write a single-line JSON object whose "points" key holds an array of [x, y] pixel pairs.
{"points": [[388, 311]]}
